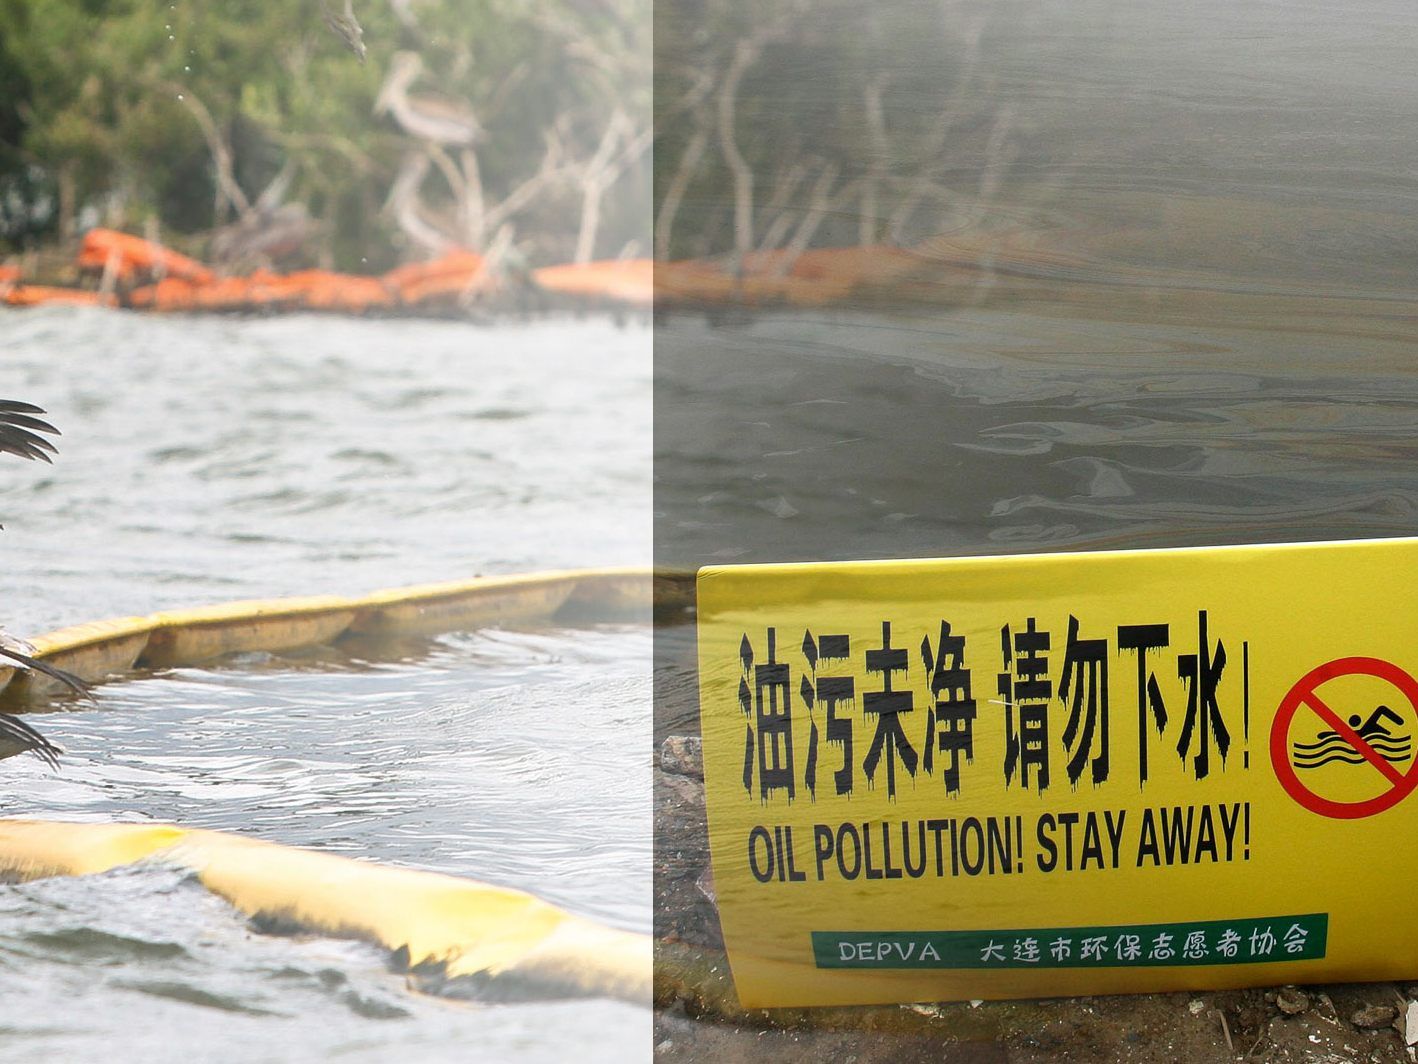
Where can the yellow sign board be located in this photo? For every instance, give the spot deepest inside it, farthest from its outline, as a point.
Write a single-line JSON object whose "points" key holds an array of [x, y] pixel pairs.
{"points": [[1062, 774]]}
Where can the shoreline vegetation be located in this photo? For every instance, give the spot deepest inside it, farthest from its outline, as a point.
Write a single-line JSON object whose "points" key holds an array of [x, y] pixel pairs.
{"points": [[272, 142], [439, 160]]}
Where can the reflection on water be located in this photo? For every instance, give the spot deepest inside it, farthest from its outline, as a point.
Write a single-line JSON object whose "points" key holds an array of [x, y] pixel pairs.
{"points": [[144, 962]]}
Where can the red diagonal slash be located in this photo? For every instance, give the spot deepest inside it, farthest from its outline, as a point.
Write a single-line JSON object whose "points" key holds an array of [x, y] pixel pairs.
{"points": [[1401, 784], [1352, 737]]}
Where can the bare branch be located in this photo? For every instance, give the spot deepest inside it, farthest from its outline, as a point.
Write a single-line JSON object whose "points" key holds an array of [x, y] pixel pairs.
{"points": [[550, 169], [598, 172], [221, 154], [674, 195], [821, 204], [933, 145], [702, 84], [476, 220], [744, 56], [880, 148], [777, 209], [746, 53]]}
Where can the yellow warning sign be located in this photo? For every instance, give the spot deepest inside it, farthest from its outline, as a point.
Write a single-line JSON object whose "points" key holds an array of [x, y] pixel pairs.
{"points": [[1062, 774]]}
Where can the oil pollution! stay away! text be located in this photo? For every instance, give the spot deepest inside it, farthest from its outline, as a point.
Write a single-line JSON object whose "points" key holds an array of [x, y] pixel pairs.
{"points": [[1162, 836]]}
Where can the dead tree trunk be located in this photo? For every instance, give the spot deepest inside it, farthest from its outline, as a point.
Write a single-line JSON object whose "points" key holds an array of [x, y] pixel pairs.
{"points": [[674, 195], [744, 56]]}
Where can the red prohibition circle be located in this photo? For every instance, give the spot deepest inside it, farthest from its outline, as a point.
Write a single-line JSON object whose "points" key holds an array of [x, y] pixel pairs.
{"points": [[1300, 695]]}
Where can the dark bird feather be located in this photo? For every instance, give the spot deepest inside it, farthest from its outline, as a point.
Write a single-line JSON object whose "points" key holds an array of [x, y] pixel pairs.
{"points": [[19, 433], [64, 676], [20, 436], [21, 734]]}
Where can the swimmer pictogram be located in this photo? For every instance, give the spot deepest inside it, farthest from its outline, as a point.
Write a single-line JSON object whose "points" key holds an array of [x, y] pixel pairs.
{"points": [[1371, 741], [1330, 746]]}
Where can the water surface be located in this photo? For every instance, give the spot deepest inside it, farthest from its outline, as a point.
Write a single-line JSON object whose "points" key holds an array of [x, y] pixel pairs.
{"points": [[212, 459]]}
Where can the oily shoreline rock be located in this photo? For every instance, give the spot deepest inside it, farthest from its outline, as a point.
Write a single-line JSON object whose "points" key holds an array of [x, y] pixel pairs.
{"points": [[683, 755]]}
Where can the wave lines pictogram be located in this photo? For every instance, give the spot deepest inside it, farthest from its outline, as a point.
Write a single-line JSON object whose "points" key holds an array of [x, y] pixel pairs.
{"points": [[1335, 748]]}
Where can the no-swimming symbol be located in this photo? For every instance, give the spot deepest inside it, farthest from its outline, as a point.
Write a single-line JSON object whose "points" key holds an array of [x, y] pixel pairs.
{"points": [[1330, 746], [1355, 740]]}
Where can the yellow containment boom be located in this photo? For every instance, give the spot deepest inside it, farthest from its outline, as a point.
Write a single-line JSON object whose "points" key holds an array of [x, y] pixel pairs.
{"points": [[445, 927], [460, 928], [98, 650]]}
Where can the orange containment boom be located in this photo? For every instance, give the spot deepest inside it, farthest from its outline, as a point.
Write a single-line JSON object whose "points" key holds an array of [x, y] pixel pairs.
{"points": [[309, 289], [629, 281], [449, 277], [323, 290], [167, 295], [34, 295], [156, 278], [815, 277], [132, 257], [463, 264]]}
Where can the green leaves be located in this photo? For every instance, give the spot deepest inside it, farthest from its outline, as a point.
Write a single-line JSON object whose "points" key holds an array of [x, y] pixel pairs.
{"points": [[102, 92]]}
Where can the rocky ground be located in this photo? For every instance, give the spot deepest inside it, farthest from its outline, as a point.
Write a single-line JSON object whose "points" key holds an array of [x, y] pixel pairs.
{"points": [[698, 1017]]}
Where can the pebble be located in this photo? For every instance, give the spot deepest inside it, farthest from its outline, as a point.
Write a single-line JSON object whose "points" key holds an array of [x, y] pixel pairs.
{"points": [[934, 1012], [683, 755], [1374, 1016], [689, 792], [1291, 1001]]}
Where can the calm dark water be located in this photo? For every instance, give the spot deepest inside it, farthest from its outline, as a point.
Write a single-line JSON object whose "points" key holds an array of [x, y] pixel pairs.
{"points": [[981, 430], [206, 460], [990, 431]]}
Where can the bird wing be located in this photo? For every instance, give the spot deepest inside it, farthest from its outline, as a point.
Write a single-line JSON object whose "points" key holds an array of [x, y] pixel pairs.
{"points": [[22, 735], [19, 432], [19, 435], [64, 676]]}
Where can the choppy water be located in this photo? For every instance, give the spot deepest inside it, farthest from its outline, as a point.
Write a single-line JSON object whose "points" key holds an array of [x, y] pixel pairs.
{"points": [[206, 459], [211, 459]]}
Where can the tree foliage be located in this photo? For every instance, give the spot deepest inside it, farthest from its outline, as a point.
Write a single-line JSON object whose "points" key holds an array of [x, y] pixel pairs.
{"points": [[120, 112]]}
